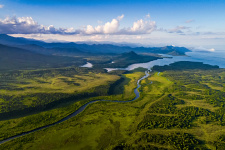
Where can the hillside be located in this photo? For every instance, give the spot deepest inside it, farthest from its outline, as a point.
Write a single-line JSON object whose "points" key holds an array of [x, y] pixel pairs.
{"points": [[12, 58], [123, 60], [51, 48]]}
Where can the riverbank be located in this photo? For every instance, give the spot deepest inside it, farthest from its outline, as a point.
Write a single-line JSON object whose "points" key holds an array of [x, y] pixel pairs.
{"points": [[79, 110]]}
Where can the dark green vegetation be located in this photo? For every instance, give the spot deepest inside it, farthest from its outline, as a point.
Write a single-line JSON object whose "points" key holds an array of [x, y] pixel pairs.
{"points": [[25, 54], [28, 91], [184, 65], [176, 140], [21, 53], [182, 107], [31, 99], [12, 58], [123, 60], [178, 109]]}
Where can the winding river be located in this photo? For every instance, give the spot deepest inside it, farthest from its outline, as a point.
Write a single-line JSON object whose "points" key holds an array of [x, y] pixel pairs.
{"points": [[215, 58], [79, 110]]}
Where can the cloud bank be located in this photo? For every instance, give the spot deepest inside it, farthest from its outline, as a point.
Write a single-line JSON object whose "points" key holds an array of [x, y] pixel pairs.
{"points": [[178, 29], [1, 6], [200, 48], [26, 25]]}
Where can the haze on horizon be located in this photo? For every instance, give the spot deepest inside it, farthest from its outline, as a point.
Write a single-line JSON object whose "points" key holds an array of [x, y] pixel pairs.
{"points": [[189, 23]]}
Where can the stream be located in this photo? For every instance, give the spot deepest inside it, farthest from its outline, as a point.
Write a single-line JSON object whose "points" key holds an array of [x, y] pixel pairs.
{"points": [[79, 110]]}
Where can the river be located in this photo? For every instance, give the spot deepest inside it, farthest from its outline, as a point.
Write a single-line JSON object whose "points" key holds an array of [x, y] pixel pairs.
{"points": [[88, 65], [212, 58], [79, 110]]}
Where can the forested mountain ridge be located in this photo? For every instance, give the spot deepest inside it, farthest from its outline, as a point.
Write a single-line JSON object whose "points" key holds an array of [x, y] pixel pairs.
{"points": [[12, 58], [94, 48]]}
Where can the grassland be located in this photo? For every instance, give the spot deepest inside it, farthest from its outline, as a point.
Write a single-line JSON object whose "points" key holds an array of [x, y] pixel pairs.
{"points": [[177, 110], [10, 127], [23, 89], [57, 84]]}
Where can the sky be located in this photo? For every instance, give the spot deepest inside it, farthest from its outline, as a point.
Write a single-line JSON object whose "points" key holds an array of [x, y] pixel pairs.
{"points": [[198, 24]]}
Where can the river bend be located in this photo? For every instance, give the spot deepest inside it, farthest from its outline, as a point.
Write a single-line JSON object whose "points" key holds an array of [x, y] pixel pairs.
{"points": [[79, 110]]}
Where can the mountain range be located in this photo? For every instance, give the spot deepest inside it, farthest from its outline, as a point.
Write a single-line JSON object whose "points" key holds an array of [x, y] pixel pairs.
{"points": [[74, 48], [22, 53]]}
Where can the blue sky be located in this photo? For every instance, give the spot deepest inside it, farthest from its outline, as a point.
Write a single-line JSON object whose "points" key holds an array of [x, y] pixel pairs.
{"points": [[190, 23]]}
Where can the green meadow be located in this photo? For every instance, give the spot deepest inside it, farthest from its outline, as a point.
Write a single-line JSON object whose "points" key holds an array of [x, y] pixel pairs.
{"points": [[177, 109]]}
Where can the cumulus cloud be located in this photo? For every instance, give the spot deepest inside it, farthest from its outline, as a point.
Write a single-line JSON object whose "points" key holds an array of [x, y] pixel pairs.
{"points": [[26, 25], [1, 6], [108, 28], [143, 27], [139, 27], [19, 25]]}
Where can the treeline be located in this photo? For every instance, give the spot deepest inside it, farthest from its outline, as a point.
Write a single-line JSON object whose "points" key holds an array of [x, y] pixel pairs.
{"points": [[193, 85], [13, 106], [123, 60], [30, 74], [220, 142], [180, 118], [174, 140], [184, 65], [188, 85]]}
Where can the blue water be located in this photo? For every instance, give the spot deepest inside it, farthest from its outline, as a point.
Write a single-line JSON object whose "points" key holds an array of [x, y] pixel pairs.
{"points": [[211, 58]]}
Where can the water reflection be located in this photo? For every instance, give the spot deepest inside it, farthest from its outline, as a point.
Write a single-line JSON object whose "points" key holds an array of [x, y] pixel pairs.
{"points": [[211, 58], [88, 65]]}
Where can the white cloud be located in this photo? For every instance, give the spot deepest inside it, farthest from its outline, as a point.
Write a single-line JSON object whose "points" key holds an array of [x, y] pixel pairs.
{"points": [[1, 6], [90, 29], [99, 22], [138, 37], [143, 27], [107, 28], [139, 27], [26, 25], [19, 25], [201, 48], [27, 20], [111, 27], [212, 49], [120, 17]]}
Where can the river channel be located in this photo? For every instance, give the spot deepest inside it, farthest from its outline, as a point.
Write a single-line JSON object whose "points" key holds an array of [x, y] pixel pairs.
{"points": [[215, 58], [79, 110]]}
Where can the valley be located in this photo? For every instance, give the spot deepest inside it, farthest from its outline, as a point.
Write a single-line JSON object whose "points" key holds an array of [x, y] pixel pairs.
{"points": [[174, 104], [112, 75], [50, 102]]}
